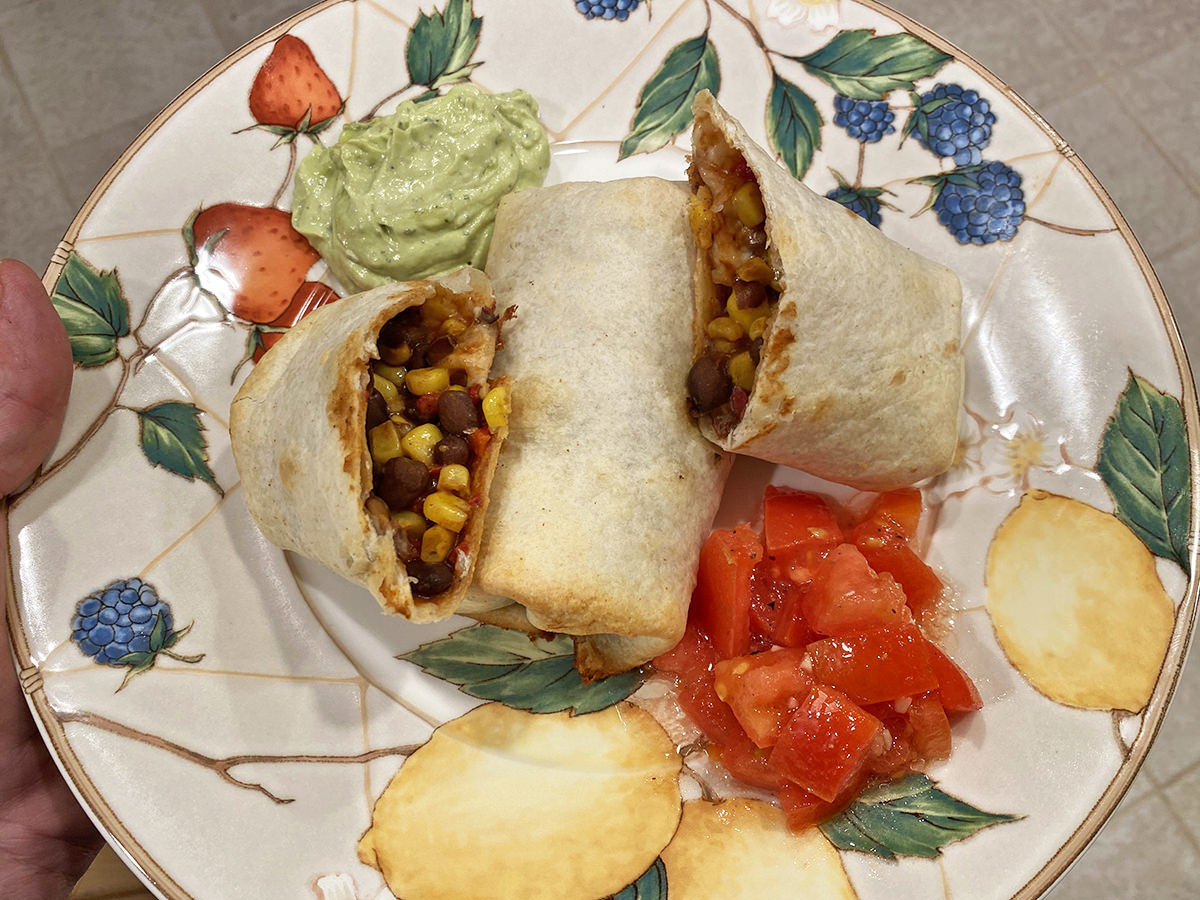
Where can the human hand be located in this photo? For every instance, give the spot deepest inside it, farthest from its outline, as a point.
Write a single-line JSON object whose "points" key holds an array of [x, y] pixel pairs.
{"points": [[46, 839]]}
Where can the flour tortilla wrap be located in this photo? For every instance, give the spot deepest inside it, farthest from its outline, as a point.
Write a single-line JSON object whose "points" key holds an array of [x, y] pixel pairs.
{"points": [[298, 427], [605, 490], [861, 374]]}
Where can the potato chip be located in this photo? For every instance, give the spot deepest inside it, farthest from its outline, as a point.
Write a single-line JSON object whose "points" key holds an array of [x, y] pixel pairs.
{"points": [[741, 849], [502, 803], [1077, 604]]}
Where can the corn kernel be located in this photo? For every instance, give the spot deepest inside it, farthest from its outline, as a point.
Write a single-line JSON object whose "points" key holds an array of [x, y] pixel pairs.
{"points": [[723, 346], [741, 370], [757, 328], [391, 394], [496, 407], [756, 269], [453, 326], [436, 544], [446, 510], [437, 309], [748, 204], [454, 478], [385, 443], [427, 381], [395, 356], [394, 374], [725, 328], [744, 317], [456, 387], [420, 442], [700, 218], [411, 523]]}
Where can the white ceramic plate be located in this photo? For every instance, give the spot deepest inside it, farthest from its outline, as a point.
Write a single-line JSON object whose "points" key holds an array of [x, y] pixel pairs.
{"points": [[245, 761]]}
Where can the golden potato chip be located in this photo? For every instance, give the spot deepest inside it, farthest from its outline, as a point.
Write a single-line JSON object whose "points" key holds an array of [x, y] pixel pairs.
{"points": [[1077, 604], [502, 803], [741, 849]]}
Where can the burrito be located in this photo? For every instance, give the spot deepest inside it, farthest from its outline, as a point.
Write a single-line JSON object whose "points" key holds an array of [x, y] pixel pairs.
{"points": [[606, 490], [366, 439], [820, 344]]}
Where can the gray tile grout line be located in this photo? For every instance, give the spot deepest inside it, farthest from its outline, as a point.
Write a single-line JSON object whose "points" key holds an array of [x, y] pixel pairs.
{"points": [[1188, 833], [1167, 155]]}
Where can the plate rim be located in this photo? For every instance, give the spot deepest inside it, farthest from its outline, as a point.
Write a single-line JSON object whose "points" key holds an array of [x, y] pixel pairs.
{"points": [[159, 881]]}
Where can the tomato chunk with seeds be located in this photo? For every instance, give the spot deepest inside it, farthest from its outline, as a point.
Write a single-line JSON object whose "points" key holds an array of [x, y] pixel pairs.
{"points": [[721, 601], [776, 613], [875, 665], [698, 698], [956, 691], [804, 808], [825, 743], [896, 753], [799, 528], [886, 550], [749, 763], [763, 689], [846, 596]]}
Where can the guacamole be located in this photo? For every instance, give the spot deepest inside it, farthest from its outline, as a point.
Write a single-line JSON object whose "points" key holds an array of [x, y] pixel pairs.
{"points": [[414, 194]]}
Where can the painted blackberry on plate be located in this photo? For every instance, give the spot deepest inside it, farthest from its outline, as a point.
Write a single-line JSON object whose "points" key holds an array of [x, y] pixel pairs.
{"points": [[952, 122], [607, 9]]}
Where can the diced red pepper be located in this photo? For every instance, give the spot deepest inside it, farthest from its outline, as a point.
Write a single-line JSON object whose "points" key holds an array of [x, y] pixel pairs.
{"points": [[479, 439], [876, 665], [825, 744], [721, 601], [427, 405]]}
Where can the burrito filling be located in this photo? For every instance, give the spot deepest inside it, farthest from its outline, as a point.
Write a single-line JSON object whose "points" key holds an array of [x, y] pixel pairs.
{"points": [[426, 429], [729, 221]]}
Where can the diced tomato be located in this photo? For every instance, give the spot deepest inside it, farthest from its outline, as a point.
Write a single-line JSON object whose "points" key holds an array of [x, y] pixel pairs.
{"points": [[825, 743], [956, 691], [698, 698], [791, 628], [750, 764], [847, 596], [804, 808], [776, 613], [931, 728], [883, 545], [721, 601], [689, 658], [799, 529], [903, 507], [762, 690], [875, 665], [896, 753]]}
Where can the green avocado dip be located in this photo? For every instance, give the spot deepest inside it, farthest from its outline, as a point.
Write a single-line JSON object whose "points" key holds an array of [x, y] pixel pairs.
{"points": [[414, 194]]}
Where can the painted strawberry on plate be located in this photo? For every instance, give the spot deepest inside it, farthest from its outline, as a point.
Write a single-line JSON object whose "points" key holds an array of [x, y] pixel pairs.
{"points": [[291, 94], [309, 296]]}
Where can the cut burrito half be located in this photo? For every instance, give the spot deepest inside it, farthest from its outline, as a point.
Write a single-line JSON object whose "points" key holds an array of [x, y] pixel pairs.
{"points": [[821, 344], [366, 439], [606, 490]]}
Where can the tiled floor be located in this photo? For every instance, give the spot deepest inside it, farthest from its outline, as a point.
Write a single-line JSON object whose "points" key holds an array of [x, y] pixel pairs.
{"points": [[79, 78]]}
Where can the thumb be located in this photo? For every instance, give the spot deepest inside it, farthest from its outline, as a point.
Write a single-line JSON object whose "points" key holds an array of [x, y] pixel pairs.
{"points": [[35, 374]]}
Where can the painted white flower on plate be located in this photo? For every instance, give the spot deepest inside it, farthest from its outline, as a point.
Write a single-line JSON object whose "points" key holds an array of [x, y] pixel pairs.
{"points": [[336, 887], [819, 14], [1001, 456]]}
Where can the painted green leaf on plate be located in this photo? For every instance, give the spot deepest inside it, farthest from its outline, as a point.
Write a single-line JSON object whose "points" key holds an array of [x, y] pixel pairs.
{"points": [[652, 885], [866, 66], [1145, 466], [508, 666], [172, 437], [793, 125], [909, 817], [441, 44], [92, 309], [664, 107]]}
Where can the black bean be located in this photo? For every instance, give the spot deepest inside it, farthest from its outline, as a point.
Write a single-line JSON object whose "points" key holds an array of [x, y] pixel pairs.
{"points": [[439, 350], [401, 481], [749, 294], [757, 239], [452, 450], [401, 328], [432, 578], [756, 350], [708, 385], [456, 412], [377, 411], [486, 316]]}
